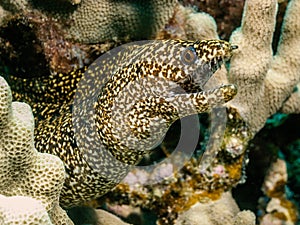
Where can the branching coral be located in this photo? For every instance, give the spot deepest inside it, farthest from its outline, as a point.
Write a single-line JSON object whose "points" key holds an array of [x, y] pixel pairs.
{"points": [[264, 80], [292, 104], [24, 171]]}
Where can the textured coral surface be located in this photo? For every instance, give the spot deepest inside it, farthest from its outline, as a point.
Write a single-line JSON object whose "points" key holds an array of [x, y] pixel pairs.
{"points": [[24, 171], [265, 67], [22, 210], [92, 21]]}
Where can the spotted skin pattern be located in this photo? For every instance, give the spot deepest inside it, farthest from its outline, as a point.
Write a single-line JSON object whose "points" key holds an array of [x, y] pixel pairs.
{"points": [[124, 104]]}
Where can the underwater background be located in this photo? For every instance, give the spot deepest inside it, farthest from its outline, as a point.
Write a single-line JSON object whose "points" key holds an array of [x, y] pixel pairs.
{"points": [[253, 173]]}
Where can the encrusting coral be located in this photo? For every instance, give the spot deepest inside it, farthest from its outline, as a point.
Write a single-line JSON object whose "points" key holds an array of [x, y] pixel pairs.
{"points": [[94, 21], [24, 171]]}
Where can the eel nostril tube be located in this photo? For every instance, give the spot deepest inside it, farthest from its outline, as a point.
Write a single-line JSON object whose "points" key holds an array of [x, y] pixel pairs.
{"points": [[233, 47]]}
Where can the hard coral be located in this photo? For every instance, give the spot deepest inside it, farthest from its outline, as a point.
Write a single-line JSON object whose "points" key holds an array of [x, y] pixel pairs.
{"points": [[264, 80], [33, 38], [227, 13], [279, 209], [118, 19], [24, 171], [266, 83], [94, 21], [224, 209], [292, 104], [22, 210]]}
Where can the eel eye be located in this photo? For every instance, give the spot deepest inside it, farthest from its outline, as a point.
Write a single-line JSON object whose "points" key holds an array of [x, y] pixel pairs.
{"points": [[188, 55]]}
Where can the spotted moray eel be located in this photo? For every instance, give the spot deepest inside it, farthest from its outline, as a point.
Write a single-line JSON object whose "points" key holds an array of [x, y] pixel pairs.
{"points": [[123, 106]]}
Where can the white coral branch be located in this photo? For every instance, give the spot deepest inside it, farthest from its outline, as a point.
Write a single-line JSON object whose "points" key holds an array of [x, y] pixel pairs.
{"points": [[264, 81], [285, 71]]}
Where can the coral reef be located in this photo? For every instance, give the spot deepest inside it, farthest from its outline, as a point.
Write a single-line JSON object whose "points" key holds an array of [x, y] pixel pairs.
{"points": [[24, 171], [212, 213], [178, 193], [32, 45], [255, 70], [94, 21], [268, 82], [279, 210], [22, 210], [227, 13]]}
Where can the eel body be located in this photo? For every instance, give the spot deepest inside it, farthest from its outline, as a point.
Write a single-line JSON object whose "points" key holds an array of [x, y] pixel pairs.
{"points": [[103, 120]]}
